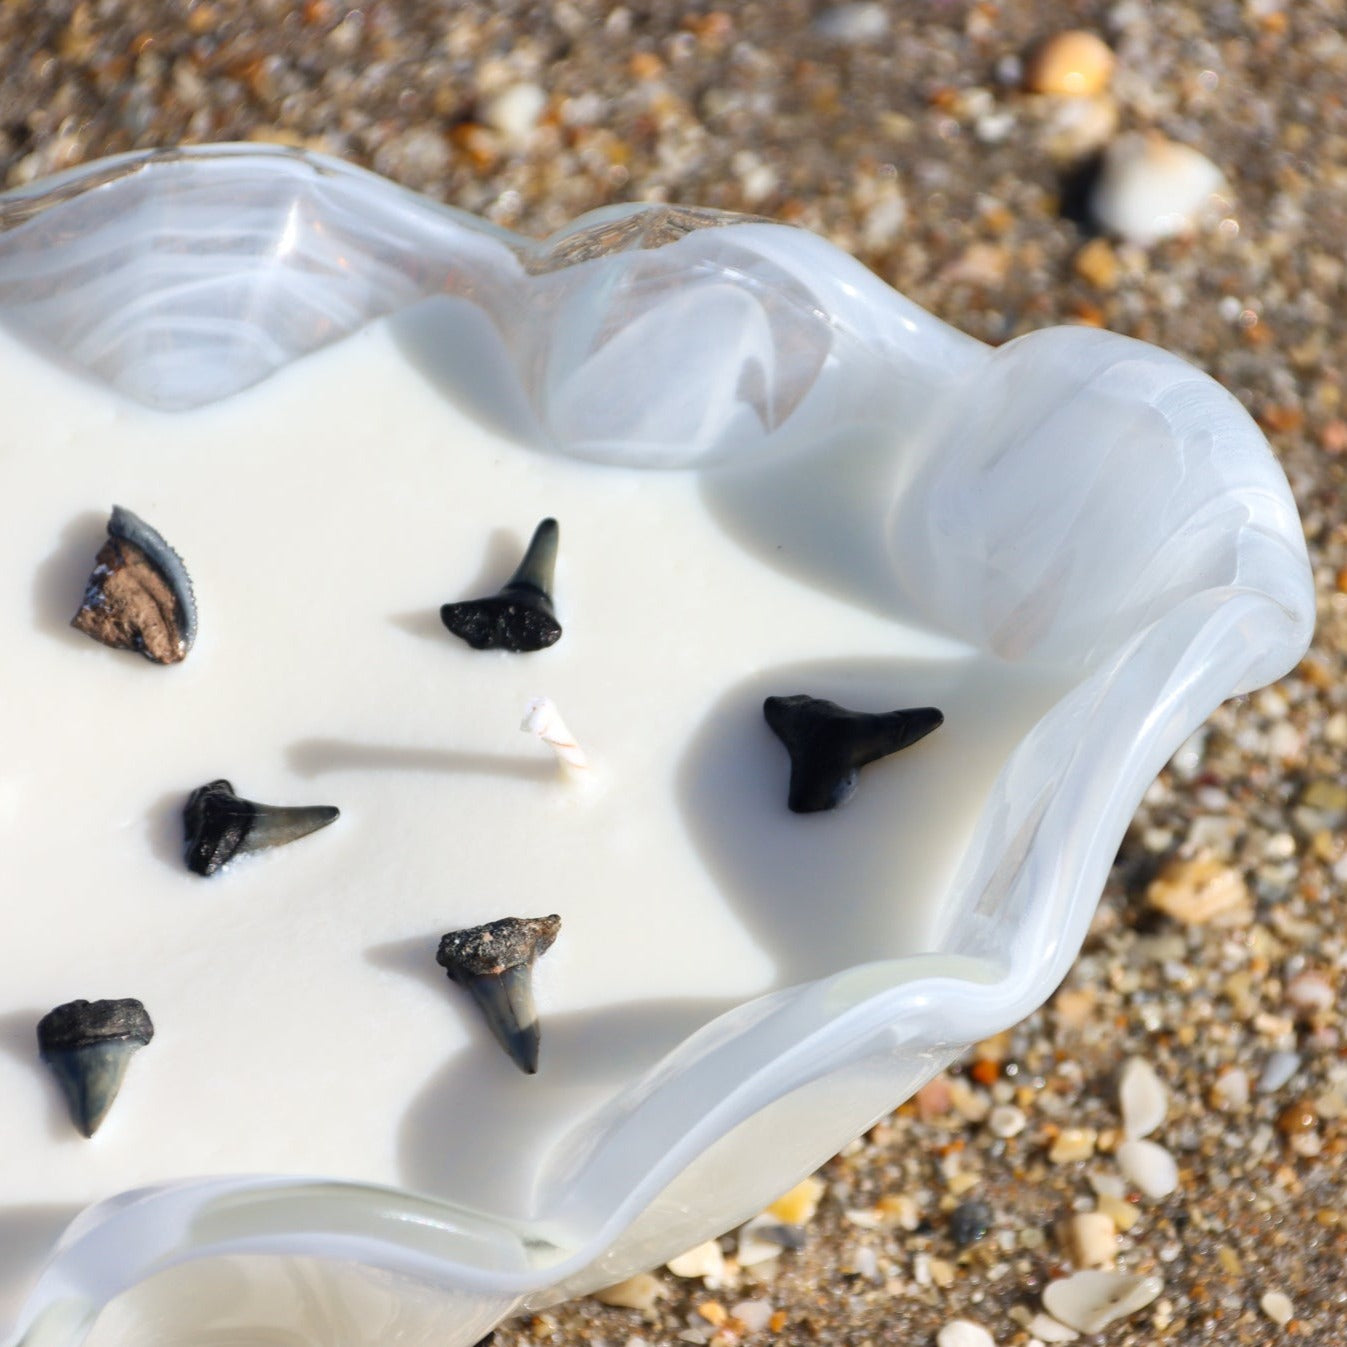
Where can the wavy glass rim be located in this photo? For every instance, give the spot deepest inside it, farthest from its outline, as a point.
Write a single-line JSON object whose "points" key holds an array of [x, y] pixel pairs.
{"points": [[1041, 851]]}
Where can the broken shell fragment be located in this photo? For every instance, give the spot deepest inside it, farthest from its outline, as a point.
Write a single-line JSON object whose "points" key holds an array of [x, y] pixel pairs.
{"points": [[220, 825], [495, 963], [828, 745], [520, 616], [138, 596], [87, 1045]]}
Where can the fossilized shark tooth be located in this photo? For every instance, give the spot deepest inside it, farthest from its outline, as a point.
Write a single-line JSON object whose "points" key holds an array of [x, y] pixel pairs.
{"points": [[828, 745], [87, 1045], [520, 616], [495, 963], [139, 595], [221, 825]]}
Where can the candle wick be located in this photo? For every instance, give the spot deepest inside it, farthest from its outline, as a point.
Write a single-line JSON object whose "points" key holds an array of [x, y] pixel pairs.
{"points": [[542, 718]]}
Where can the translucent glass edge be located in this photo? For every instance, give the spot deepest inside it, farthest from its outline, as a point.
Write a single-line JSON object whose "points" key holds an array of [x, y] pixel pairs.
{"points": [[963, 1017]]}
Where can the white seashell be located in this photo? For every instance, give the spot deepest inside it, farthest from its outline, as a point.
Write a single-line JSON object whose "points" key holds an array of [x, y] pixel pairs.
{"points": [[963, 1333], [1046, 1329], [1006, 1120], [706, 1260], [1150, 187], [1142, 1097], [1277, 1306], [1090, 1301], [1149, 1167]]}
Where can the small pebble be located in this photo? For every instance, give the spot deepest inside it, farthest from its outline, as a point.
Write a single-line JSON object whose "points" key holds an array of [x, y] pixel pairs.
{"points": [[1277, 1070], [1297, 1117], [713, 1312], [1151, 188], [1091, 1240], [1075, 62], [1231, 1090], [1277, 1306], [514, 112], [1073, 1143], [798, 1206], [853, 23], [1090, 1301], [1148, 1167], [963, 1333], [1006, 1120], [762, 1239], [706, 1260], [1310, 992], [861, 1260], [1097, 263], [1047, 1329], [636, 1293], [1142, 1097], [969, 1222], [1199, 891], [1121, 1212], [942, 1272], [1075, 128], [755, 1315]]}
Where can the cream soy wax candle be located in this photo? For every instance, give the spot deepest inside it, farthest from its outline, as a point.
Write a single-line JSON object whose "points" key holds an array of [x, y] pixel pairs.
{"points": [[787, 505], [301, 1021]]}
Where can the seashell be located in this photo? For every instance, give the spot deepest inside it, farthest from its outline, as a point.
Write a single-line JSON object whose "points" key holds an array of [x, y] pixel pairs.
{"points": [[1150, 187], [963, 1333], [1142, 1097], [828, 745], [519, 616], [88, 1045], [139, 596], [495, 963], [1148, 1167], [221, 825], [1090, 1301]]}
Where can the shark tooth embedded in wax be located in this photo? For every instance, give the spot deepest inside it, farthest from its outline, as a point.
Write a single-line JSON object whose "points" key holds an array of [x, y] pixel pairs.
{"points": [[220, 825], [87, 1045], [494, 963], [520, 616], [828, 745], [138, 596]]}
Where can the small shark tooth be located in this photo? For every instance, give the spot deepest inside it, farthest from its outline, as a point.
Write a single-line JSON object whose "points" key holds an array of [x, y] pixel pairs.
{"points": [[520, 616], [139, 596], [87, 1045], [495, 963], [220, 825], [828, 745]]}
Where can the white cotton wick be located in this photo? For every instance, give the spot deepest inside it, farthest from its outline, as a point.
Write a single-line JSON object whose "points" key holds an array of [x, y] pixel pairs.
{"points": [[542, 718]]}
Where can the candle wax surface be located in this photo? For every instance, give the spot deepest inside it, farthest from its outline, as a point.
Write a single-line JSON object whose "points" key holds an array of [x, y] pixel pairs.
{"points": [[302, 1024]]}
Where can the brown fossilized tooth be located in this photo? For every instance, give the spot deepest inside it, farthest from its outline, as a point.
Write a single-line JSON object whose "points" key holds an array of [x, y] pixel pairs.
{"points": [[139, 596], [495, 963]]}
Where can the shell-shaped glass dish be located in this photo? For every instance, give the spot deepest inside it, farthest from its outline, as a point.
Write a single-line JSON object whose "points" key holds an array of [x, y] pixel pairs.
{"points": [[1073, 500]]}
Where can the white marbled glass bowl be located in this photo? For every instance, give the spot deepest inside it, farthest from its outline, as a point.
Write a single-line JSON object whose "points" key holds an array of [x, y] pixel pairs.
{"points": [[1075, 500]]}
